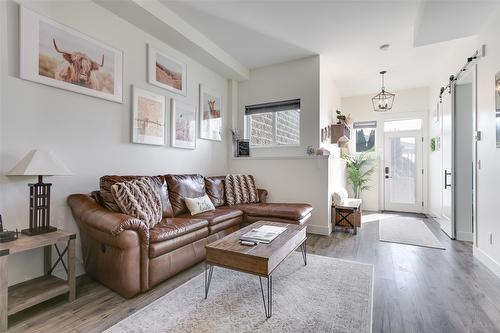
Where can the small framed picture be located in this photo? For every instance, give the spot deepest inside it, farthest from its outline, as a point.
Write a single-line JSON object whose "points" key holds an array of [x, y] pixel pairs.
{"points": [[210, 114], [166, 72], [183, 125], [148, 117]]}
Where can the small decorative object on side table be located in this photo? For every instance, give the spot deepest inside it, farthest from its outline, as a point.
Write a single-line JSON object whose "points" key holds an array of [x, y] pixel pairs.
{"points": [[26, 294], [39, 163]]}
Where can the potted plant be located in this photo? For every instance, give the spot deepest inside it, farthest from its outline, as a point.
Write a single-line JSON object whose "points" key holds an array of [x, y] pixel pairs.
{"points": [[360, 168]]}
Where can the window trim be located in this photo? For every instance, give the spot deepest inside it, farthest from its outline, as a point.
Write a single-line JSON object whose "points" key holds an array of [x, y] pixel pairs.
{"points": [[279, 106], [364, 125]]}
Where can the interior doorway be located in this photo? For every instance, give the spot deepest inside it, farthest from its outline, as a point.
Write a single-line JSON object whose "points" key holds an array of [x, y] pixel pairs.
{"points": [[403, 171]]}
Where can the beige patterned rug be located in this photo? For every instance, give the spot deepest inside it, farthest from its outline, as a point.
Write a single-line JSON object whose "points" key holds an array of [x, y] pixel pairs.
{"points": [[327, 295]]}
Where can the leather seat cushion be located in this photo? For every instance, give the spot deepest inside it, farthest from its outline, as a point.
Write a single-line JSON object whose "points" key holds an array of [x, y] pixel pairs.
{"points": [[288, 211], [215, 190], [184, 186], [216, 216], [160, 248], [108, 201], [170, 228]]}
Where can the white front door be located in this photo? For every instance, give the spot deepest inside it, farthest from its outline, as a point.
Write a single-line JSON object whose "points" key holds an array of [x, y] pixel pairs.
{"points": [[446, 218], [403, 171]]}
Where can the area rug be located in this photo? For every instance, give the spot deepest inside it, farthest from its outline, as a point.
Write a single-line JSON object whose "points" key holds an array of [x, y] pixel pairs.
{"points": [[409, 231], [327, 295]]}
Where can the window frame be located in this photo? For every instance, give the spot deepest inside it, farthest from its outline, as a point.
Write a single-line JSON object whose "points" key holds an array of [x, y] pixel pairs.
{"points": [[274, 143], [364, 125]]}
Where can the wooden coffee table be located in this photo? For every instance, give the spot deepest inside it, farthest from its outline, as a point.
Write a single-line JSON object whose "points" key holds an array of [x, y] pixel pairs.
{"points": [[260, 260]]}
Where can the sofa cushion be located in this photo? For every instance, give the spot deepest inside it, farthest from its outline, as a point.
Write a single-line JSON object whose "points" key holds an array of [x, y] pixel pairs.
{"points": [[218, 215], [107, 200], [287, 211], [215, 190], [240, 189], [182, 186], [159, 248], [199, 205], [139, 198], [170, 228]]}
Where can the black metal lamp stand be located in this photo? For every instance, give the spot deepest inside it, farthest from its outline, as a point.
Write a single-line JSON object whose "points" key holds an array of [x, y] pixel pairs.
{"points": [[39, 209]]}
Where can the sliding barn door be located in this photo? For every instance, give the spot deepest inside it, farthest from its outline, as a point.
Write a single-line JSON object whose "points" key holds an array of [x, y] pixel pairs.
{"points": [[446, 219]]}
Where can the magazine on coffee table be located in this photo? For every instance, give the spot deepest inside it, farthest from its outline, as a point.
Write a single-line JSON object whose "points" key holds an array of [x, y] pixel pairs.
{"points": [[265, 234]]}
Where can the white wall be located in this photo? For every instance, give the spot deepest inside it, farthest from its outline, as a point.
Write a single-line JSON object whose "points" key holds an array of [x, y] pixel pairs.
{"points": [[410, 103], [91, 135], [289, 80], [301, 179]]}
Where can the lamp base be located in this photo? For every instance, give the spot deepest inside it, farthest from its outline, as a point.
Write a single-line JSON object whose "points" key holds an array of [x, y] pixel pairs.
{"points": [[38, 231]]}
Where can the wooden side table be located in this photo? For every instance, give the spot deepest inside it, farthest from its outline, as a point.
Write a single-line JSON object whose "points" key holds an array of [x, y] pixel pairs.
{"points": [[26, 294], [347, 215]]}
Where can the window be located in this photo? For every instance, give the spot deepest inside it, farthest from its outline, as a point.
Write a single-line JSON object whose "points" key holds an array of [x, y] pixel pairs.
{"points": [[403, 125], [273, 124], [365, 136]]}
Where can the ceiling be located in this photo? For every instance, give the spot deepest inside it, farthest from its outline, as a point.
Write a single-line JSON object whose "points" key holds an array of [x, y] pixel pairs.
{"points": [[347, 33]]}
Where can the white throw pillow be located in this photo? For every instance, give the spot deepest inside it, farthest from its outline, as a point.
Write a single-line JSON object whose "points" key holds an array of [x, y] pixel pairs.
{"points": [[339, 196], [199, 205]]}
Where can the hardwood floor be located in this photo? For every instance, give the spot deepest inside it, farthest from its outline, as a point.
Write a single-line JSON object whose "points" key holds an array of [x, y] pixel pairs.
{"points": [[416, 289]]}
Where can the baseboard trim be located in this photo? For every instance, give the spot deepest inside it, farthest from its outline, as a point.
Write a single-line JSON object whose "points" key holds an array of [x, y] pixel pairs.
{"points": [[488, 261], [465, 236], [318, 229]]}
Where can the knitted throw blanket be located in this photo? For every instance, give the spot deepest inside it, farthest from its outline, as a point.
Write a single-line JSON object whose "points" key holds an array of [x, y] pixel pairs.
{"points": [[240, 189], [138, 198]]}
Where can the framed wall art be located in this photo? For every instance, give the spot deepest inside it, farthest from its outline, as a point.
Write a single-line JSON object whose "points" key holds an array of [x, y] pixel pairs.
{"points": [[210, 114], [58, 56], [148, 117], [166, 72], [183, 121]]}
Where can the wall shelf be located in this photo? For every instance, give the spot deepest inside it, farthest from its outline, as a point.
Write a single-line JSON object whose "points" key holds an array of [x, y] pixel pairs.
{"points": [[340, 133]]}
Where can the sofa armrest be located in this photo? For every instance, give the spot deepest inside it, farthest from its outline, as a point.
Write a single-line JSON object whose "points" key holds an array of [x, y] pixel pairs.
{"points": [[262, 195], [87, 211]]}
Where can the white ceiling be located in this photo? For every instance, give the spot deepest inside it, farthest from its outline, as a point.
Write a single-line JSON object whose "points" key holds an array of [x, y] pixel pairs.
{"points": [[346, 33]]}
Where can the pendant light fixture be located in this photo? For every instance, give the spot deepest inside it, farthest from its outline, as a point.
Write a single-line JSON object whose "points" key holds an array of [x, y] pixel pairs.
{"points": [[383, 100]]}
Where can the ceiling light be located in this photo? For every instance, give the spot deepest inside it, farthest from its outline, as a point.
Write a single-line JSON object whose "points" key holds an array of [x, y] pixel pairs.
{"points": [[383, 100], [384, 47]]}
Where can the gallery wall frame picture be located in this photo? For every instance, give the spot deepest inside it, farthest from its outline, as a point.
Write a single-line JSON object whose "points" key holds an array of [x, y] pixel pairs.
{"points": [[183, 120], [148, 117], [210, 106], [166, 72], [59, 56]]}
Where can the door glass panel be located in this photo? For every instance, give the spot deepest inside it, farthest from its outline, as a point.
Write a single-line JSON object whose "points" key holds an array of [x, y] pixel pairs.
{"points": [[403, 125], [403, 170]]}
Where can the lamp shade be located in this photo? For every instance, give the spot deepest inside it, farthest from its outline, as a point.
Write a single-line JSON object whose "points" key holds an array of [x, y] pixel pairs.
{"points": [[39, 163]]}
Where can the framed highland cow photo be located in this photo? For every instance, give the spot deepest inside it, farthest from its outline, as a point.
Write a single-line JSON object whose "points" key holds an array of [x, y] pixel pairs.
{"points": [[166, 72], [58, 56], [210, 114]]}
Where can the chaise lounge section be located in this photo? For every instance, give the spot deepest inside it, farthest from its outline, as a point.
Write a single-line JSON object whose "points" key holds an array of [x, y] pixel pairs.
{"points": [[125, 255]]}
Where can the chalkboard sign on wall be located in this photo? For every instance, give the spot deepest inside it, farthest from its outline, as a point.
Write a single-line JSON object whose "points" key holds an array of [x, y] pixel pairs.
{"points": [[242, 148]]}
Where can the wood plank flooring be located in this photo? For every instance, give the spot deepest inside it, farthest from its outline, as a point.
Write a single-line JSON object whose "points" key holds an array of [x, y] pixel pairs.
{"points": [[416, 289]]}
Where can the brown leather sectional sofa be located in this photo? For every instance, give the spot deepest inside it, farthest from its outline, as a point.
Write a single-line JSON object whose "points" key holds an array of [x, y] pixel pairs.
{"points": [[126, 256]]}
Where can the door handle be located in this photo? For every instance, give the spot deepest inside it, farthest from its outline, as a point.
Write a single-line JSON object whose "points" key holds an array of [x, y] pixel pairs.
{"points": [[387, 177], [446, 174]]}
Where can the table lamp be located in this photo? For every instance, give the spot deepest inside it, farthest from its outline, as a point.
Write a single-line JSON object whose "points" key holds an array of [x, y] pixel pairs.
{"points": [[39, 163]]}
